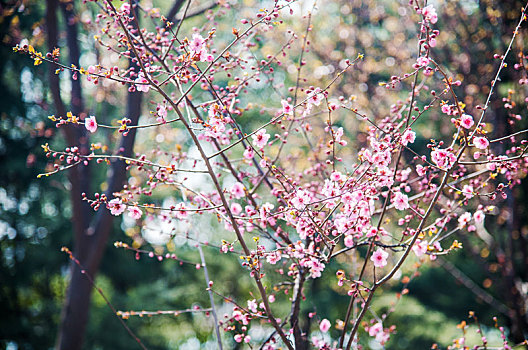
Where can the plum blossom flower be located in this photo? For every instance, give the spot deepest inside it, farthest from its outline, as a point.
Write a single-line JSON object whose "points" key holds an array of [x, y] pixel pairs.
{"points": [[273, 257], [260, 138], [91, 124], [443, 158], [316, 97], [249, 153], [375, 329], [207, 57], [197, 43], [464, 219], [325, 325], [338, 134], [252, 305], [467, 190], [466, 121], [432, 42], [301, 199], [382, 337], [379, 257], [286, 108], [142, 83], [480, 142], [162, 111], [181, 211], [135, 213], [336, 176], [238, 338], [429, 13], [421, 170], [400, 201], [198, 49], [408, 137], [420, 248], [316, 267], [116, 206], [479, 216], [423, 61], [236, 208], [125, 8], [237, 190]]}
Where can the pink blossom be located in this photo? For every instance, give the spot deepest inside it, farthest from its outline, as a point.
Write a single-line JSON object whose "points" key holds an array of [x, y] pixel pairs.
{"points": [[316, 97], [379, 257], [423, 61], [408, 137], [432, 42], [142, 83], [375, 329], [273, 257], [260, 138], [480, 142], [181, 212], [446, 109], [91, 124], [125, 8], [466, 121], [464, 219], [238, 338], [286, 108], [225, 247], [338, 134], [135, 213], [467, 190], [116, 206], [205, 56], [197, 43], [216, 127], [252, 305], [382, 337], [237, 190], [372, 232], [420, 248], [443, 158], [400, 201], [249, 153], [479, 216], [236, 208], [325, 325], [429, 13], [421, 170], [316, 267], [162, 111], [301, 199], [349, 241], [336, 176]]}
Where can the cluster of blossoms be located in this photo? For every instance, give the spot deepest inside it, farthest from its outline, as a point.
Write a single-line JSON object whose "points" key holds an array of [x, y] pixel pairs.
{"points": [[305, 209]]}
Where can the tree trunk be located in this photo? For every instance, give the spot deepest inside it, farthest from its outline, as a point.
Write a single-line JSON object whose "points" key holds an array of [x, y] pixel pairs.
{"points": [[90, 236]]}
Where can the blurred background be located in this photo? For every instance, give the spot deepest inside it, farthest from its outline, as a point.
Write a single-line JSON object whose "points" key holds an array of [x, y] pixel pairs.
{"points": [[489, 277]]}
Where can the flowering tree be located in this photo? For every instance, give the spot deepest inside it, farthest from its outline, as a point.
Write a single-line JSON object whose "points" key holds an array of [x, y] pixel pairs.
{"points": [[301, 180]]}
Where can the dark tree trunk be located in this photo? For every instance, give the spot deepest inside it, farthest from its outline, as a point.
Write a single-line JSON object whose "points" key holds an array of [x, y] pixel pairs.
{"points": [[90, 236]]}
